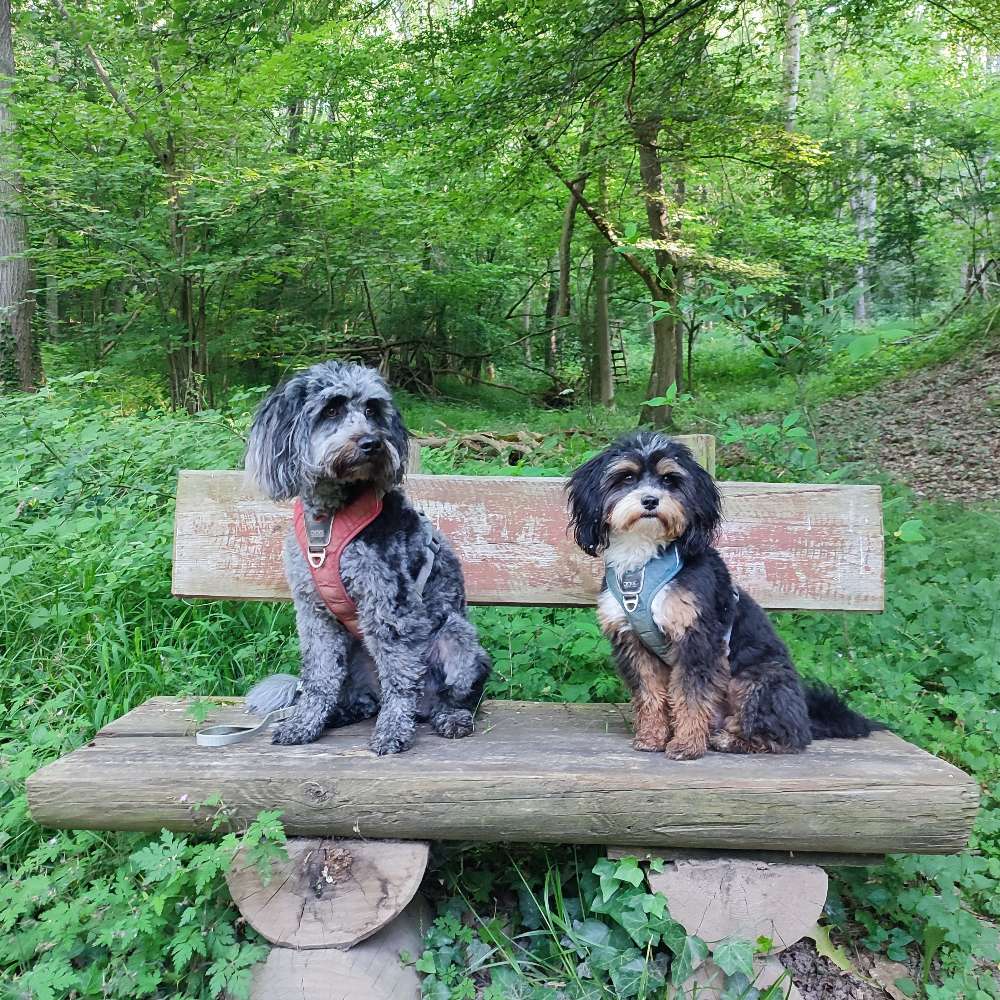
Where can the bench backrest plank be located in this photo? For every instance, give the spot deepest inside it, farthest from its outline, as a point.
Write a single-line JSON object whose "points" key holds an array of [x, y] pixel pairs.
{"points": [[791, 546]]}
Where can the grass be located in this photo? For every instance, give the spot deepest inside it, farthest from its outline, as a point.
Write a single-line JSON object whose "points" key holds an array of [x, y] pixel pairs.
{"points": [[88, 629]]}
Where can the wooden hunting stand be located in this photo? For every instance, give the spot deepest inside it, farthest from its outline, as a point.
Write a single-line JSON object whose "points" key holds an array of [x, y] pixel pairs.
{"points": [[619, 360], [744, 837]]}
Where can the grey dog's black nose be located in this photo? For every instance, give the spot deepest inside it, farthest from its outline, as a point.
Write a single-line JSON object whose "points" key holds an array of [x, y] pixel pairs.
{"points": [[650, 502], [369, 444]]}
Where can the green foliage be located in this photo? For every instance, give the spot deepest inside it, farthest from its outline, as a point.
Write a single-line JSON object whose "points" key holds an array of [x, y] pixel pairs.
{"points": [[88, 630], [589, 934]]}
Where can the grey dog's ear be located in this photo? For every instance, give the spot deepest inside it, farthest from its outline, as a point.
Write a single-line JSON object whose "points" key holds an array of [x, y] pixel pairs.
{"points": [[400, 438], [274, 451]]}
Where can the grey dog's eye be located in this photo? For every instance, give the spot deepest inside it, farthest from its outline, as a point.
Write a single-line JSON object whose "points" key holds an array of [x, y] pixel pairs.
{"points": [[371, 410], [334, 407]]}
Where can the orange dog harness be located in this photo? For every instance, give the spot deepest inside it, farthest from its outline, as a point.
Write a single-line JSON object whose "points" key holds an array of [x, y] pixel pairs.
{"points": [[323, 539]]}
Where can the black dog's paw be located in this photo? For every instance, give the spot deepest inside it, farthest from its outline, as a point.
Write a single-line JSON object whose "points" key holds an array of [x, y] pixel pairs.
{"points": [[453, 725], [386, 743]]}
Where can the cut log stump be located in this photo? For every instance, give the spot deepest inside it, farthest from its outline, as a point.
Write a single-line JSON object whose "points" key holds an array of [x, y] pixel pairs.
{"points": [[330, 893], [370, 970], [748, 900]]}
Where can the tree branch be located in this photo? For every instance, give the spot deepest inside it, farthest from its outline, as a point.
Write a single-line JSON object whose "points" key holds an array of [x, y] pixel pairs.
{"points": [[602, 225], [118, 96]]}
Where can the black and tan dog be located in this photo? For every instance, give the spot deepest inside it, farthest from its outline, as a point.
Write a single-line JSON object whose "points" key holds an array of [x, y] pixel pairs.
{"points": [[701, 658]]}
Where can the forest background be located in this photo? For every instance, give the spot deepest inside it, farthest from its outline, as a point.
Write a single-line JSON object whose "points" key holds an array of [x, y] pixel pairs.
{"points": [[544, 223]]}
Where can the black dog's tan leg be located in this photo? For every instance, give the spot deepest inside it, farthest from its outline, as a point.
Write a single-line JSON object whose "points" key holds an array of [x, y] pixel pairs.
{"points": [[649, 679], [700, 674], [646, 675]]}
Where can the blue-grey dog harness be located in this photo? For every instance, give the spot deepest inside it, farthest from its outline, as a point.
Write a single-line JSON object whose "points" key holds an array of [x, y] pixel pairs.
{"points": [[636, 589]]}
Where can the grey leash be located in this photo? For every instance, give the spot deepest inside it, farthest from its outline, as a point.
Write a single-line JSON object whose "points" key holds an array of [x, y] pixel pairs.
{"points": [[224, 736]]}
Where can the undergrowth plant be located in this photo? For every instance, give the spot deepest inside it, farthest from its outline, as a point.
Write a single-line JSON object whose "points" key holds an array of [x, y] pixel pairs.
{"points": [[88, 630], [586, 933]]}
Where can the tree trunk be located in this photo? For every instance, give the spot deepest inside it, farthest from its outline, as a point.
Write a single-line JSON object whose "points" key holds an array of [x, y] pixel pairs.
{"points": [[19, 363], [863, 204], [52, 290], [663, 373], [790, 71], [603, 258], [790, 63], [551, 317]]}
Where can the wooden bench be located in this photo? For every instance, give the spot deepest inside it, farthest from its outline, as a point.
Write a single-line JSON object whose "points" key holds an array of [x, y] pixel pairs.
{"points": [[533, 771]]}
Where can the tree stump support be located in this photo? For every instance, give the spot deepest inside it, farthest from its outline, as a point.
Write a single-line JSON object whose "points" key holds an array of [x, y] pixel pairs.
{"points": [[338, 914], [739, 897]]}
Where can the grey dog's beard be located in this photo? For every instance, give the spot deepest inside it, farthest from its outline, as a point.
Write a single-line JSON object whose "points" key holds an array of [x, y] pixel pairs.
{"points": [[330, 486]]}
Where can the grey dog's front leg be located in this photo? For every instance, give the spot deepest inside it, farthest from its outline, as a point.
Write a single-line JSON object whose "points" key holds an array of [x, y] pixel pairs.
{"points": [[324, 643], [398, 651]]}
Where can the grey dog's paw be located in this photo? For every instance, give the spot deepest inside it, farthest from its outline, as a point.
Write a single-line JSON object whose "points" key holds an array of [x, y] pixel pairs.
{"points": [[293, 734], [453, 725], [388, 742]]}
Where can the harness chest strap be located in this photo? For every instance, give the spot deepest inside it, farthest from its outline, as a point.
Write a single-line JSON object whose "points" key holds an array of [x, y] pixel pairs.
{"points": [[323, 540], [635, 590]]}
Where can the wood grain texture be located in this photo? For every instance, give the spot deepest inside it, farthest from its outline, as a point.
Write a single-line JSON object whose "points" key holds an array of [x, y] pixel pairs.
{"points": [[531, 772], [764, 857], [300, 908], [790, 546], [369, 971]]}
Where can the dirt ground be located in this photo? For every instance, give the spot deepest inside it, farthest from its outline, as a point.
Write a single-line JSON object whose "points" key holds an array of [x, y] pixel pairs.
{"points": [[938, 430], [817, 978]]}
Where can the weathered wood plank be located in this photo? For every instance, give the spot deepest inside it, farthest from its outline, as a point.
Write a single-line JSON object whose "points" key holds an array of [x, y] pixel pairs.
{"points": [[531, 772], [761, 857], [792, 546]]}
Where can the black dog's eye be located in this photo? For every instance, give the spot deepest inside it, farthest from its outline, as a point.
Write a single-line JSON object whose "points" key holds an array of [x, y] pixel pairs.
{"points": [[629, 477], [334, 406], [670, 479]]}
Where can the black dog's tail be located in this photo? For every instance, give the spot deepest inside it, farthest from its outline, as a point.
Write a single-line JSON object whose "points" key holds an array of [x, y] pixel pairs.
{"points": [[831, 719]]}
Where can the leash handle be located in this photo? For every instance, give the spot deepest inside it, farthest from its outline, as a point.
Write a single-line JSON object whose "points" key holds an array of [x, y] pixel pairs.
{"points": [[224, 736]]}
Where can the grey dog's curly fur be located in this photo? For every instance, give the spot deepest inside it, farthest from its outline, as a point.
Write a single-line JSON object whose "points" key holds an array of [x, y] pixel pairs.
{"points": [[324, 435]]}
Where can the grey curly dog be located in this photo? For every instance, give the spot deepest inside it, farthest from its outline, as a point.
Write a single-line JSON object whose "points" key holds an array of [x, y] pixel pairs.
{"points": [[328, 433]]}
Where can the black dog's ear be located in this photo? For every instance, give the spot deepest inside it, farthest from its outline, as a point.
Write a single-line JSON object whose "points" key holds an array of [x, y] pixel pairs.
{"points": [[586, 505], [399, 437], [704, 507], [274, 450]]}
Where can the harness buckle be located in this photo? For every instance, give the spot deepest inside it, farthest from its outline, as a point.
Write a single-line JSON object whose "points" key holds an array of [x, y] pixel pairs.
{"points": [[630, 602], [316, 557]]}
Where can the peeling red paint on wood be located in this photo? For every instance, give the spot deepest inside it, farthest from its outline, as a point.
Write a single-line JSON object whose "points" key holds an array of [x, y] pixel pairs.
{"points": [[791, 546]]}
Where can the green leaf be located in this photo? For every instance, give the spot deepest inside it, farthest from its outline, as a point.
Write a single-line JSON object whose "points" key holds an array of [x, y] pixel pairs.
{"points": [[691, 955], [910, 531], [734, 955], [425, 963], [862, 346]]}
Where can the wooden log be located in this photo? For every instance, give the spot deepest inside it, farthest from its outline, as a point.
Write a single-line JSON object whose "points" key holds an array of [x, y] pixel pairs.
{"points": [[532, 772], [790, 546], [767, 857], [330, 893], [371, 970]]}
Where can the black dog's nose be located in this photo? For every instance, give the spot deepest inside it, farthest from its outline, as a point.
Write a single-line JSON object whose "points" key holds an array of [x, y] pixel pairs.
{"points": [[369, 444], [650, 502]]}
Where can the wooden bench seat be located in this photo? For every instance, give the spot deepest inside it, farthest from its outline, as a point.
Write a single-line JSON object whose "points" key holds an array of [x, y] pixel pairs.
{"points": [[532, 772], [536, 772]]}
